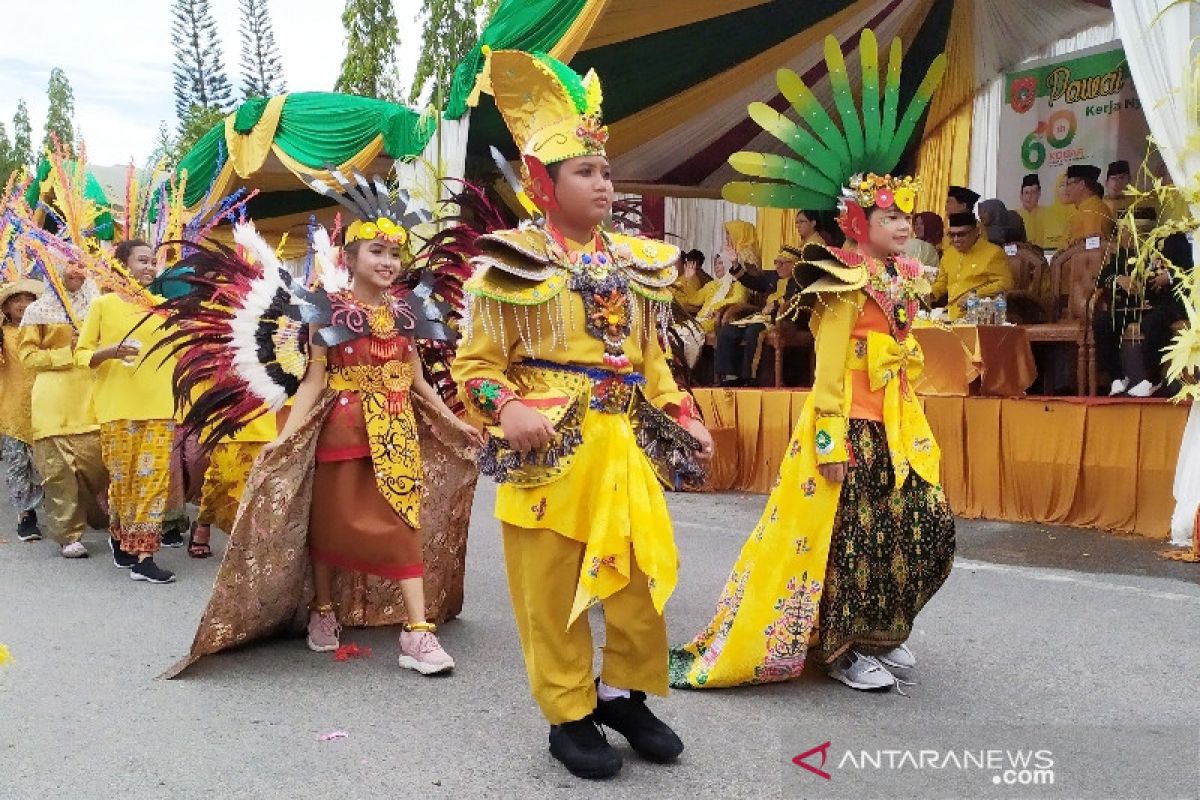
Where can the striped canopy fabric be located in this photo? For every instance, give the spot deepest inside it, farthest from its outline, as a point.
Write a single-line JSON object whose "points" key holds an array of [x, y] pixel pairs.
{"points": [[678, 75]]}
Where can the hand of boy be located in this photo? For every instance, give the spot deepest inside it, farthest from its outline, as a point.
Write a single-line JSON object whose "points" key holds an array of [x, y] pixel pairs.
{"points": [[524, 428]]}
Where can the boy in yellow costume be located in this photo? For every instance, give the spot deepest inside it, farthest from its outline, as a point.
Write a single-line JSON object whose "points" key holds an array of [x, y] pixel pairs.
{"points": [[16, 429], [856, 535], [563, 357]]}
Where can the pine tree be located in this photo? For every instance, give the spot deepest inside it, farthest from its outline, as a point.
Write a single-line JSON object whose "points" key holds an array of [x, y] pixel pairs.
{"points": [[165, 151], [60, 122], [451, 29], [372, 39], [262, 70], [22, 145], [8, 162], [199, 65]]}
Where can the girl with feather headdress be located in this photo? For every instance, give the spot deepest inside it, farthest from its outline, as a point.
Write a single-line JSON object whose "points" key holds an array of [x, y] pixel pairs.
{"points": [[346, 484], [17, 292], [64, 431], [857, 535]]}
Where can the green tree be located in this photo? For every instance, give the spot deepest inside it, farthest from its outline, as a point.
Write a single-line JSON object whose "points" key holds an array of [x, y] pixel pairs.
{"points": [[8, 162], [199, 64], [262, 69], [22, 145], [451, 29], [60, 122], [369, 67], [164, 151], [198, 121]]}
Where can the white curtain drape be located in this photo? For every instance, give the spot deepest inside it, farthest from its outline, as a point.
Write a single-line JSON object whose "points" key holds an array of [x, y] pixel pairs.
{"points": [[1160, 44], [985, 124], [699, 223]]}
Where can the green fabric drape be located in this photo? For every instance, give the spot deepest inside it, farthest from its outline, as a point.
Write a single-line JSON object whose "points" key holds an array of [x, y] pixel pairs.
{"points": [[531, 25], [316, 129]]}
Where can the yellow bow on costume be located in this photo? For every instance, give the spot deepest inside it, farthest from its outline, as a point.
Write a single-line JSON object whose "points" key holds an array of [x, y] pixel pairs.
{"points": [[888, 359]]}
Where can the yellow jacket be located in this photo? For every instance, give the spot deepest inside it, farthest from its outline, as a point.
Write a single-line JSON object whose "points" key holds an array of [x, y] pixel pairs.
{"points": [[16, 389], [1036, 223], [710, 309], [138, 391], [62, 391], [1092, 217], [684, 290], [983, 268]]}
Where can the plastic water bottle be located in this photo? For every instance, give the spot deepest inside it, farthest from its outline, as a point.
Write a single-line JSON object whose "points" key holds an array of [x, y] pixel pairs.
{"points": [[1001, 307], [972, 316]]}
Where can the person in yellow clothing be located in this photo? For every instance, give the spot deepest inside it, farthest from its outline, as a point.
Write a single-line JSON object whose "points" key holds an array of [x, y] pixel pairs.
{"points": [[692, 278], [1092, 217], [66, 439], [563, 359], [725, 290], [225, 480], [1033, 214], [972, 264], [136, 411], [16, 425], [856, 535]]}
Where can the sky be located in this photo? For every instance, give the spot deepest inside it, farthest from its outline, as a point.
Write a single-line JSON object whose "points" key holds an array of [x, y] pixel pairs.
{"points": [[118, 58]]}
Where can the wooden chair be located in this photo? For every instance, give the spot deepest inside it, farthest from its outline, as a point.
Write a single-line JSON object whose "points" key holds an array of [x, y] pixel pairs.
{"points": [[1073, 274], [1027, 301], [790, 336]]}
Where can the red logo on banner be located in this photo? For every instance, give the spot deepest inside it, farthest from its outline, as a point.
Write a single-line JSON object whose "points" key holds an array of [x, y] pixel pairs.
{"points": [[823, 749], [1023, 94]]}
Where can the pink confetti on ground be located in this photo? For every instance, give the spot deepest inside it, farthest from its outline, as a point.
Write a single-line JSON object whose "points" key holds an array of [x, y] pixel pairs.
{"points": [[332, 736]]}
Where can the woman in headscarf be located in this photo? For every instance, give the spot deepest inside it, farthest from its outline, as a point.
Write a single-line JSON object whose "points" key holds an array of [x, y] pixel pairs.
{"points": [[740, 253], [1003, 226], [928, 227]]}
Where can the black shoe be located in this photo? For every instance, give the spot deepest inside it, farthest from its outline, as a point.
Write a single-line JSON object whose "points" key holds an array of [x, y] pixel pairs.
{"points": [[583, 750], [649, 736], [172, 537], [121, 559], [27, 528], [147, 570]]}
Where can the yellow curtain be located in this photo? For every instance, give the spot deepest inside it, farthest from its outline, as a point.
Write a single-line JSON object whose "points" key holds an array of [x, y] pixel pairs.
{"points": [[249, 152], [944, 157], [776, 227], [1088, 464], [575, 36]]}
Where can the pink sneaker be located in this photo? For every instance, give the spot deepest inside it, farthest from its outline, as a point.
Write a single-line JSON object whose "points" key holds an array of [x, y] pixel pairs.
{"points": [[323, 631], [421, 650]]}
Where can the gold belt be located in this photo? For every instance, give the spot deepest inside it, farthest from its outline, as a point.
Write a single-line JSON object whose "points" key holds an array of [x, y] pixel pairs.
{"points": [[390, 377]]}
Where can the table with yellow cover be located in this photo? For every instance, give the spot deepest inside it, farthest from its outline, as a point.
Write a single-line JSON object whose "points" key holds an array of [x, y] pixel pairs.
{"points": [[998, 356]]}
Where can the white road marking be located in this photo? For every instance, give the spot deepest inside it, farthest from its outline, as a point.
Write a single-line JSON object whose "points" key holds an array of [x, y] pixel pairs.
{"points": [[1060, 576]]}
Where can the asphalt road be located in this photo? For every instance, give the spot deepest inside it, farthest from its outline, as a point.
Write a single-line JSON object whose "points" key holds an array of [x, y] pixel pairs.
{"points": [[1076, 641]]}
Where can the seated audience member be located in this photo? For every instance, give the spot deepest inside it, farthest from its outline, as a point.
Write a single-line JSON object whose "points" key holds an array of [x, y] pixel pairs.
{"points": [[739, 341], [1092, 215], [740, 254], [691, 280], [971, 263], [1155, 305]]}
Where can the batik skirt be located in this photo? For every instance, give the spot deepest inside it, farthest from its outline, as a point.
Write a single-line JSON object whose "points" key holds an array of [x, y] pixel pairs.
{"points": [[137, 454]]}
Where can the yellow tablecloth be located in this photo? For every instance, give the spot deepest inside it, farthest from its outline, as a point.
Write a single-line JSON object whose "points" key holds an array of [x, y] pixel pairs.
{"points": [[1089, 463], [999, 356]]}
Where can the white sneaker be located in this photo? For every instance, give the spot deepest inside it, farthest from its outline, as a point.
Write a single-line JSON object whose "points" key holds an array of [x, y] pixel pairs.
{"points": [[898, 658], [1143, 389], [861, 672], [1119, 386], [74, 550]]}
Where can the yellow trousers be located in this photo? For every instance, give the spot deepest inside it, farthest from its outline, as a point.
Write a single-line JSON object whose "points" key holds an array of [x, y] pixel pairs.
{"points": [[543, 573], [74, 478]]}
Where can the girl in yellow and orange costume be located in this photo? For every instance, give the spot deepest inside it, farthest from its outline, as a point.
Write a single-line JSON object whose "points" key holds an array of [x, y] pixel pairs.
{"points": [[856, 535], [563, 358], [343, 486]]}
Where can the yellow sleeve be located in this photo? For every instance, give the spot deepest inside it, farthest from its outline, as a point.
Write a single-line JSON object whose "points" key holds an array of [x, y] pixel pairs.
{"points": [[999, 275], [483, 359], [832, 324], [738, 293], [89, 335], [661, 389], [37, 358]]}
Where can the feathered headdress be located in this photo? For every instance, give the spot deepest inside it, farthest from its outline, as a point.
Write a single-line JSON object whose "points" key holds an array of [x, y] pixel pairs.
{"points": [[375, 213], [842, 167]]}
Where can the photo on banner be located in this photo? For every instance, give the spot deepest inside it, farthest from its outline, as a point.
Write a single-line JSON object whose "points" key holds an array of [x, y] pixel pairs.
{"points": [[1076, 109]]}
